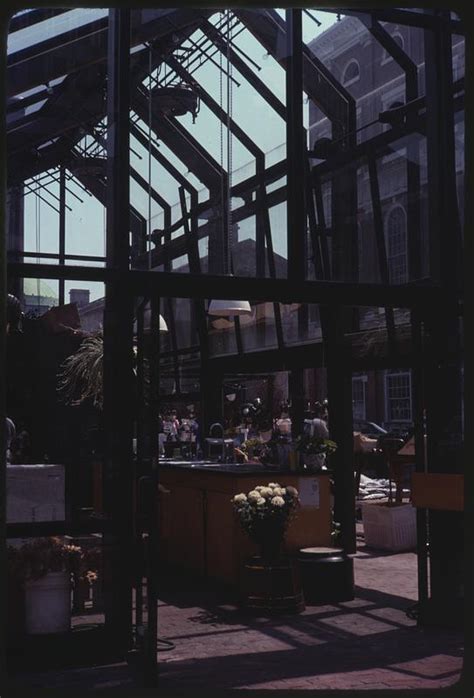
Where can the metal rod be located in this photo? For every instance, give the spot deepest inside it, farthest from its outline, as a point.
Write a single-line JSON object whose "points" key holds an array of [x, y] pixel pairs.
{"points": [[33, 191], [52, 255], [209, 58], [62, 227], [218, 28], [307, 12]]}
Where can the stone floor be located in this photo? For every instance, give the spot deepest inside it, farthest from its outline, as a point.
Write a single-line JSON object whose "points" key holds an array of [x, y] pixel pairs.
{"points": [[367, 643]]}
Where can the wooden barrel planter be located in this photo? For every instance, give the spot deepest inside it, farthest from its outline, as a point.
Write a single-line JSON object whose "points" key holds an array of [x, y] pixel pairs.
{"points": [[272, 587], [327, 575]]}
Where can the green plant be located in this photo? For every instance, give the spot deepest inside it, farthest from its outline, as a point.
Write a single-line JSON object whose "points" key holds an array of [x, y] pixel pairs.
{"points": [[315, 445]]}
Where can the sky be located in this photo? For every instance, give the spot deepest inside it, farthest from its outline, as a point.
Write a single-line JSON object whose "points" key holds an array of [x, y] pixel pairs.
{"points": [[85, 222]]}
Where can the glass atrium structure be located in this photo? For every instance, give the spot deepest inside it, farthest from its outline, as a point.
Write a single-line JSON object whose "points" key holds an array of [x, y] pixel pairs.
{"points": [[307, 163]]}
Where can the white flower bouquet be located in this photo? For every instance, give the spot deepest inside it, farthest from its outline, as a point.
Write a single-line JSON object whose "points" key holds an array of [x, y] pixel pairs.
{"points": [[265, 513]]}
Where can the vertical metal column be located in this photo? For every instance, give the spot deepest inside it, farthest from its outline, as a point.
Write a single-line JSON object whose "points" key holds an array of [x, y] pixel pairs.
{"points": [[339, 381], [118, 335], [62, 227], [151, 647], [443, 379], [420, 464], [295, 148]]}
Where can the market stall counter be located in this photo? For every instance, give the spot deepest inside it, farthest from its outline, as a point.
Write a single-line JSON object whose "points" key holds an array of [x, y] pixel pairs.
{"points": [[198, 530]]}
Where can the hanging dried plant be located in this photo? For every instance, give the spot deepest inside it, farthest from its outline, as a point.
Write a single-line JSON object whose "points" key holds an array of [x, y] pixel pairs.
{"points": [[82, 375]]}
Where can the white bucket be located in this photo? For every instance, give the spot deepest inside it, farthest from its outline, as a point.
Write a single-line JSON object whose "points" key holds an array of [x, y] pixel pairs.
{"points": [[48, 604]]}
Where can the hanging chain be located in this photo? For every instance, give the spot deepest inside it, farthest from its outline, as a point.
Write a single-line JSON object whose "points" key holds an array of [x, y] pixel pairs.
{"points": [[221, 133], [38, 234], [229, 140], [149, 156], [104, 223]]}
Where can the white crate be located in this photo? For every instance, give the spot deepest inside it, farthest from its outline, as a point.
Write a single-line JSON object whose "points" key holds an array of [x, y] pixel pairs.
{"points": [[35, 493], [389, 527]]}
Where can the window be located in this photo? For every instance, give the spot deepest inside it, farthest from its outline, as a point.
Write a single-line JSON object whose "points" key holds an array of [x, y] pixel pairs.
{"points": [[386, 57], [351, 73], [359, 384], [398, 396], [396, 235]]}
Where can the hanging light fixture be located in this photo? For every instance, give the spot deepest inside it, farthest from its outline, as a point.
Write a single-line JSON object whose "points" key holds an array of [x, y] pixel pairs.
{"points": [[230, 308]]}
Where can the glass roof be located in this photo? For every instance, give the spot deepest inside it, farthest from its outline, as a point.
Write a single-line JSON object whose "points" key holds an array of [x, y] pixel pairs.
{"points": [[230, 65]]}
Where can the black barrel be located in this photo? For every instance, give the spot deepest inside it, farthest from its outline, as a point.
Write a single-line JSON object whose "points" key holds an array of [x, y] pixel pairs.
{"points": [[327, 575], [272, 588]]}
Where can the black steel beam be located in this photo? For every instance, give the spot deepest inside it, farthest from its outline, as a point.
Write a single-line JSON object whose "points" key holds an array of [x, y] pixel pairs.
{"points": [[295, 148], [171, 169], [118, 337], [404, 17], [264, 235], [262, 89], [412, 162], [151, 635], [418, 397], [191, 236], [182, 143], [206, 98], [214, 286], [176, 247], [373, 147], [28, 19], [318, 82], [443, 215], [339, 383], [73, 50], [38, 529]]}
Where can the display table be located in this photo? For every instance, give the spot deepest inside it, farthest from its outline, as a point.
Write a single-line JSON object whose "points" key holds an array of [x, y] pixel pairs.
{"points": [[198, 529]]}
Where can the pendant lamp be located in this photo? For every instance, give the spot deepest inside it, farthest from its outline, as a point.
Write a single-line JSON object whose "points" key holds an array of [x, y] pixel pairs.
{"points": [[235, 307], [229, 308]]}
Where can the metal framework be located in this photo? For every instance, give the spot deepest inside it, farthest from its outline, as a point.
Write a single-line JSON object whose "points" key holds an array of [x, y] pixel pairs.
{"points": [[322, 249]]}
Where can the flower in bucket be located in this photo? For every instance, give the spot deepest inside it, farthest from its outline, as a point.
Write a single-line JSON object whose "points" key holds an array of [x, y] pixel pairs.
{"points": [[265, 513], [39, 556]]}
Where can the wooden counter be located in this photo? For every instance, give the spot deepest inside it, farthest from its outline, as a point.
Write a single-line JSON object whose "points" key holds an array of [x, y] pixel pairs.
{"points": [[200, 533]]}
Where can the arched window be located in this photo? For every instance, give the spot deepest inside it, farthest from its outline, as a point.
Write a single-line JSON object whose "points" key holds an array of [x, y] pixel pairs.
{"points": [[396, 234], [351, 73]]}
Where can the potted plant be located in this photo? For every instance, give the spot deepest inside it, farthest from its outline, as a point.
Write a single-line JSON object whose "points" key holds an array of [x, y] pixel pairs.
{"points": [[251, 447], [265, 513], [45, 569], [314, 450]]}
